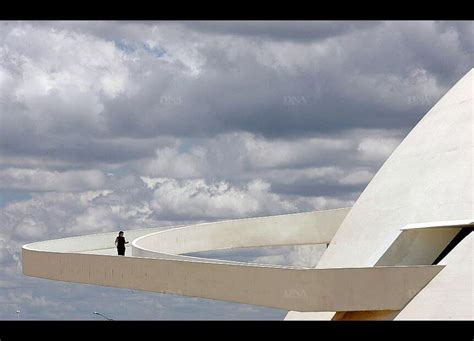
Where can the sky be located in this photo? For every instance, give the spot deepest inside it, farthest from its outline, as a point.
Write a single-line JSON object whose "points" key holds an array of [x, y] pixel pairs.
{"points": [[108, 126]]}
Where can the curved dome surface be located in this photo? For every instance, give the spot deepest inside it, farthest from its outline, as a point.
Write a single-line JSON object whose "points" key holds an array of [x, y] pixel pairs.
{"points": [[427, 178]]}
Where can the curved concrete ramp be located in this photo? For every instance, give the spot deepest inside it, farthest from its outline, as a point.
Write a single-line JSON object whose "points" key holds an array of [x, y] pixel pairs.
{"points": [[161, 268]]}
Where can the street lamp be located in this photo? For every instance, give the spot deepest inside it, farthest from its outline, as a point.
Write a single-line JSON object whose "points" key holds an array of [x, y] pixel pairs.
{"points": [[106, 317], [18, 314]]}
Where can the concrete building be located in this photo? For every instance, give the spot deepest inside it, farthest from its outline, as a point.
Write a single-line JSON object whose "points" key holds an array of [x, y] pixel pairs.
{"points": [[403, 251]]}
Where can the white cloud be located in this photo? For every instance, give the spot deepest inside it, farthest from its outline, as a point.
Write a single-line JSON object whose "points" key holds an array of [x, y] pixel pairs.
{"points": [[237, 153], [377, 148], [5, 255], [61, 78], [43, 180], [313, 166], [168, 162], [29, 227], [199, 200], [361, 176]]}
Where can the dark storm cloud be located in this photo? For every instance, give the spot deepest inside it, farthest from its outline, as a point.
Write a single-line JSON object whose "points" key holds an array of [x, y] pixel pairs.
{"points": [[281, 30], [304, 31], [294, 105], [77, 151], [291, 83], [464, 31], [386, 76]]}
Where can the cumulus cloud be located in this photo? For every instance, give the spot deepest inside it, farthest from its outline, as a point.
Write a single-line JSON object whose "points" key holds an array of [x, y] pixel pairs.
{"points": [[169, 162], [377, 148], [241, 152], [140, 203], [310, 166], [198, 200], [60, 76], [43, 180]]}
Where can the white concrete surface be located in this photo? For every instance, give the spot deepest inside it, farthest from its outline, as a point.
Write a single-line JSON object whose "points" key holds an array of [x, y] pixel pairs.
{"points": [[316, 227], [302, 289], [163, 269], [420, 244], [449, 296]]}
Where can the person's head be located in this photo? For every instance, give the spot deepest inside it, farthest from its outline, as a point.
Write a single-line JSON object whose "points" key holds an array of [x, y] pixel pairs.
{"points": [[121, 233]]}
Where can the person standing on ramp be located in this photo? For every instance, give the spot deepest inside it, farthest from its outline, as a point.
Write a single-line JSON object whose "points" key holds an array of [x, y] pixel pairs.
{"points": [[120, 243]]}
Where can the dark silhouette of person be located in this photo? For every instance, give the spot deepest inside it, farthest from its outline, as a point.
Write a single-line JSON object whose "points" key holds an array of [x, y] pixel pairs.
{"points": [[120, 243]]}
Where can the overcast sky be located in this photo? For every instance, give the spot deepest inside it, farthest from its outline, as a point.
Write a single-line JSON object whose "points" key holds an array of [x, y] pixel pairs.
{"points": [[122, 125]]}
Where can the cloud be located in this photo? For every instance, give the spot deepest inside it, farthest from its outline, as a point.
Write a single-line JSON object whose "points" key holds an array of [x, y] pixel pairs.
{"points": [[60, 76], [309, 166], [43, 180], [101, 92], [280, 30], [169, 162], [196, 199], [316, 87], [5, 255], [377, 148], [240, 153]]}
